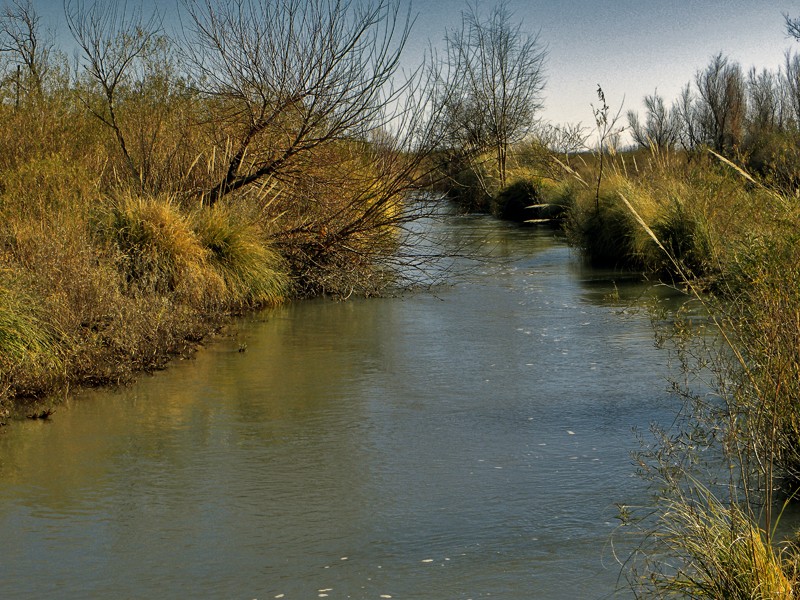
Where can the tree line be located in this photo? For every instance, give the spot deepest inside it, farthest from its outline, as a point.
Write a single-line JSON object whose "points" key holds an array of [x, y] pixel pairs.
{"points": [[753, 115]]}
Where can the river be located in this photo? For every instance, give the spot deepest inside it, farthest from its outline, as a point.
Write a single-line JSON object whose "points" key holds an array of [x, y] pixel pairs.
{"points": [[467, 441]]}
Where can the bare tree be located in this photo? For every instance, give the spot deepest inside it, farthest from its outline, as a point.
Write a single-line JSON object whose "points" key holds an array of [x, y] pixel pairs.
{"points": [[289, 76], [791, 83], [565, 139], [22, 38], [660, 128], [792, 26], [497, 73], [722, 103], [111, 37], [685, 109], [764, 107]]}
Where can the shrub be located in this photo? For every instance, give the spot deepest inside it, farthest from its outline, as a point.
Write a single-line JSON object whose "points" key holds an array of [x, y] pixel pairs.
{"points": [[605, 232], [514, 202], [531, 201]]}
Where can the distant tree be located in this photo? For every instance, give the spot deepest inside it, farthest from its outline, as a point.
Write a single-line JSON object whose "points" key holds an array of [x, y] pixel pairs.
{"points": [[721, 104], [791, 83], [765, 111], [566, 138], [496, 72], [660, 128], [22, 39]]}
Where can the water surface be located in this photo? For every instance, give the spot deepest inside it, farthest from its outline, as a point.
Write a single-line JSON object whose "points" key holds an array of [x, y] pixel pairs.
{"points": [[466, 442]]}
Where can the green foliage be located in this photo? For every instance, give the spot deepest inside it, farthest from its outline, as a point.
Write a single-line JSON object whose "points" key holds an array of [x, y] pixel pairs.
{"points": [[523, 201], [764, 313]]}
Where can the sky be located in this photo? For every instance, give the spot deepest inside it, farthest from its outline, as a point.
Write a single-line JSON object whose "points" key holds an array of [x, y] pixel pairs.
{"points": [[631, 48]]}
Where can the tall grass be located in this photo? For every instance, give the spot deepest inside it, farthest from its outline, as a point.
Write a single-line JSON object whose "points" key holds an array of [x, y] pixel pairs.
{"points": [[27, 343], [740, 430], [155, 246], [698, 210], [714, 551], [238, 252]]}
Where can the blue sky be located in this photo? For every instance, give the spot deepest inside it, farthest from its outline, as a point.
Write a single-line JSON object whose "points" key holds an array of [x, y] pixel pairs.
{"points": [[629, 47], [632, 47]]}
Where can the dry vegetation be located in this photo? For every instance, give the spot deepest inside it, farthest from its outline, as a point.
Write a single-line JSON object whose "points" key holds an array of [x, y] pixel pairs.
{"points": [[706, 202], [166, 183]]}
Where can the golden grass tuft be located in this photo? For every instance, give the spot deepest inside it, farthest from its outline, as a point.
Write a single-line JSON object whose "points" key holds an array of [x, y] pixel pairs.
{"points": [[156, 249], [718, 552], [254, 274]]}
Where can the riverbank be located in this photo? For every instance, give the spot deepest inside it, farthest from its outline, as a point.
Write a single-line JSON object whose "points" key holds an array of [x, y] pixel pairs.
{"points": [[100, 282], [103, 277], [730, 240], [703, 224]]}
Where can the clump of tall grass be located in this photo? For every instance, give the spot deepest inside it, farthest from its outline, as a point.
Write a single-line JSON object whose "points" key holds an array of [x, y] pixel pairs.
{"points": [[512, 202], [560, 194], [154, 244], [603, 228], [697, 210], [238, 251], [716, 551], [27, 343], [212, 258]]}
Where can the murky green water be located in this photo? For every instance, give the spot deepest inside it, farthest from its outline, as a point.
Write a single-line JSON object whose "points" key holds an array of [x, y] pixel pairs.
{"points": [[466, 443]]}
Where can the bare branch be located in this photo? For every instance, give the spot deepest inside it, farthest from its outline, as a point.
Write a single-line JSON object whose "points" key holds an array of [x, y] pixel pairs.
{"points": [[292, 75], [111, 37], [20, 36]]}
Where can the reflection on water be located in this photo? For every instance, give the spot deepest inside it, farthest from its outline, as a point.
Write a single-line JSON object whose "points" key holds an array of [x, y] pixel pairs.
{"points": [[465, 443]]}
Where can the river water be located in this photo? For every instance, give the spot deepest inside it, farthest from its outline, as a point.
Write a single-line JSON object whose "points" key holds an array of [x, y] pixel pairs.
{"points": [[470, 441]]}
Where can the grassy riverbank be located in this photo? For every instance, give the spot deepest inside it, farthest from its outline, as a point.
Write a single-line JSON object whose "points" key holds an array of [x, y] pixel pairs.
{"points": [[729, 239], [100, 278], [157, 185]]}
